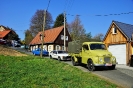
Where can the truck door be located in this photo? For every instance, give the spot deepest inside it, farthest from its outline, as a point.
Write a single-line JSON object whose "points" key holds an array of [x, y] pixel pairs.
{"points": [[85, 53]]}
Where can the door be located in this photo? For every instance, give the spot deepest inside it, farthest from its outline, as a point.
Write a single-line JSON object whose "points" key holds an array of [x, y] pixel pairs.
{"points": [[85, 53], [119, 51]]}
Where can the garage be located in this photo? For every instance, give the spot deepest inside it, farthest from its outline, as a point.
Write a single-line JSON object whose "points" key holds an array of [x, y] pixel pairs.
{"points": [[119, 51]]}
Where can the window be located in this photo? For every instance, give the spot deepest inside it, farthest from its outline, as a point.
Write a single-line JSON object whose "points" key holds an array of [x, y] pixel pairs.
{"points": [[85, 47], [97, 46], [62, 37], [62, 47], [57, 47], [49, 47], [114, 30], [66, 37]]}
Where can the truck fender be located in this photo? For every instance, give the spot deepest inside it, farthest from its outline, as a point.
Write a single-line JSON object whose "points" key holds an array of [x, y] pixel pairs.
{"points": [[74, 58], [89, 59]]}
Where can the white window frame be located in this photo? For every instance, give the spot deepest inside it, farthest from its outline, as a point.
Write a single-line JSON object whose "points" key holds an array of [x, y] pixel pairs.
{"points": [[62, 37], [57, 47], [114, 30], [63, 48]]}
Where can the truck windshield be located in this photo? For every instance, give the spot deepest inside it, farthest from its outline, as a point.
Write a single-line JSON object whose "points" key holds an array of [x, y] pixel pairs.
{"points": [[97, 46]]}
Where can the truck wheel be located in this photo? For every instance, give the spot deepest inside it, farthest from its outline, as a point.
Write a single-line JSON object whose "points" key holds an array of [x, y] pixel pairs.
{"points": [[73, 62], [90, 65], [111, 67]]}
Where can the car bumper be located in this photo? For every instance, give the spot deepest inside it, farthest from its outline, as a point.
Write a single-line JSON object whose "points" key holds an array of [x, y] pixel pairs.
{"points": [[67, 58]]}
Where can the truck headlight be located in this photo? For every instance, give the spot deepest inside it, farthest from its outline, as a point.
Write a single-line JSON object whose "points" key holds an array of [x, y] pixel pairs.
{"points": [[113, 59], [100, 59]]}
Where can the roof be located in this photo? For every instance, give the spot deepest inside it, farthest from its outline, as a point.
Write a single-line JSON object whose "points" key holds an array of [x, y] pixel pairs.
{"points": [[126, 29], [4, 33], [50, 35]]}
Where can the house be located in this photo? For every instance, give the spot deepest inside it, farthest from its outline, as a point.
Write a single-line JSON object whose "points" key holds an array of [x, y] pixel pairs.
{"points": [[4, 32], [53, 39], [7, 33], [119, 40]]}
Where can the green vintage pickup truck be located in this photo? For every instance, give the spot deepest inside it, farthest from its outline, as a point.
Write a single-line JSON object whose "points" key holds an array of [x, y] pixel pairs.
{"points": [[93, 54]]}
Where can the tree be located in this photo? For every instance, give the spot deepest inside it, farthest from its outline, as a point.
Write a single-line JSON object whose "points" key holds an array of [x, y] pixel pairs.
{"points": [[88, 35], [28, 37], [76, 30], [37, 20], [98, 37], [59, 20]]}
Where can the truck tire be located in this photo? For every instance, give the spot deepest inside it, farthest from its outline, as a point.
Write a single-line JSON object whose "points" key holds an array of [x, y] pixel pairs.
{"points": [[111, 67], [73, 62], [90, 65]]}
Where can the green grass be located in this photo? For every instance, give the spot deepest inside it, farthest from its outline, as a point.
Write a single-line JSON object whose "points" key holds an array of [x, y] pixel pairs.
{"points": [[34, 72]]}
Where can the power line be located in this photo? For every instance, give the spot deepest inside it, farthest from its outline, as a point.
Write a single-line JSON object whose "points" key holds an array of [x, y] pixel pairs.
{"points": [[68, 5], [48, 5], [103, 15], [65, 5]]}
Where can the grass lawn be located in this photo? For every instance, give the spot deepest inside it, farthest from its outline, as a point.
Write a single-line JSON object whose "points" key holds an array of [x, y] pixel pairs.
{"points": [[34, 72]]}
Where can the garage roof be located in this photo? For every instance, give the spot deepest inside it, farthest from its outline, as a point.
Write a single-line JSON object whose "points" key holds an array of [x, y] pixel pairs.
{"points": [[127, 29]]}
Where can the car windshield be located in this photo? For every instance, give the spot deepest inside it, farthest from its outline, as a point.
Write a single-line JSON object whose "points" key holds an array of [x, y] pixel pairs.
{"points": [[97, 46], [62, 52]]}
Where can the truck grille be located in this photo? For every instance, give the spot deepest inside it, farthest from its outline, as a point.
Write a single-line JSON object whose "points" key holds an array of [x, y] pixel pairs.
{"points": [[107, 59]]}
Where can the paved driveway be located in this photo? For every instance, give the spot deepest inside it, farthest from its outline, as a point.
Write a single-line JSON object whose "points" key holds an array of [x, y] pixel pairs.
{"points": [[122, 75]]}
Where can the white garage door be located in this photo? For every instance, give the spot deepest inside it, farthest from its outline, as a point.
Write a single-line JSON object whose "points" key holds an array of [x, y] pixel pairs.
{"points": [[119, 51]]}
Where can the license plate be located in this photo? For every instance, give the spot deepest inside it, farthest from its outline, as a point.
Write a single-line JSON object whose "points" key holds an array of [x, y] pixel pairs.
{"points": [[107, 64]]}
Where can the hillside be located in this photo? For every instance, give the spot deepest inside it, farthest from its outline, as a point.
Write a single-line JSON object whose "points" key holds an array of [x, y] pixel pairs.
{"points": [[4, 50]]}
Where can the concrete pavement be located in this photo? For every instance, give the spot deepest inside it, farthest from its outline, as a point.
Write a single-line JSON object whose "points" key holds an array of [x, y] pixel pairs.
{"points": [[124, 67]]}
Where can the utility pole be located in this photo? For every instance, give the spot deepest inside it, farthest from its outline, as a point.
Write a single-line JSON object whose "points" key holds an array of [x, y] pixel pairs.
{"points": [[43, 28], [64, 30]]}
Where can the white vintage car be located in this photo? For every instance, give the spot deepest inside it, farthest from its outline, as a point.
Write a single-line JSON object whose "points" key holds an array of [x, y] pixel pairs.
{"points": [[59, 55]]}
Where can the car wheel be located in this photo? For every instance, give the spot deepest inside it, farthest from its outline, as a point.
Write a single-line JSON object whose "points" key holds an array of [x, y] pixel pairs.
{"points": [[59, 59], [51, 57], [111, 67], [34, 54], [90, 65]]}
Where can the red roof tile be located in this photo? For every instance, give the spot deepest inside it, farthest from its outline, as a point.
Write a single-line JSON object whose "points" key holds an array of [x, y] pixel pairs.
{"points": [[50, 35], [4, 33]]}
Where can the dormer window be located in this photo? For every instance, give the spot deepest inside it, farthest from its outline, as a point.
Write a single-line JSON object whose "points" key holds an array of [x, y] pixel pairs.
{"points": [[114, 30], [62, 37]]}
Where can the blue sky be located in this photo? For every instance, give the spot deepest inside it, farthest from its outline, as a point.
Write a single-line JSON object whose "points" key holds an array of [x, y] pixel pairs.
{"points": [[17, 14]]}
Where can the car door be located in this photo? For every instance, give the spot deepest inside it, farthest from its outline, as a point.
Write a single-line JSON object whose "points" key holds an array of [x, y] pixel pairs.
{"points": [[56, 54], [38, 51], [53, 54]]}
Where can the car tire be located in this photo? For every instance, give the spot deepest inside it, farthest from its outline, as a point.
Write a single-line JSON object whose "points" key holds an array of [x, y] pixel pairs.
{"points": [[59, 59], [90, 65], [51, 57], [34, 54]]}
